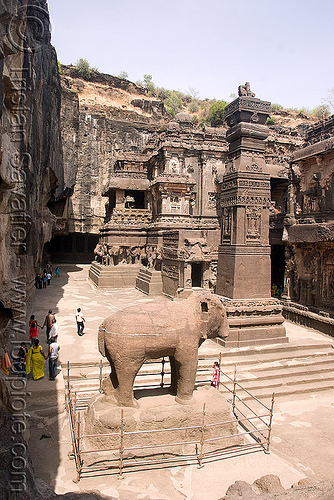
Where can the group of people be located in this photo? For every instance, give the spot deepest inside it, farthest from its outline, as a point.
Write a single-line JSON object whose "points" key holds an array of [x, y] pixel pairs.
{"points": [[42, 280], [32, 359], [50, 323]]}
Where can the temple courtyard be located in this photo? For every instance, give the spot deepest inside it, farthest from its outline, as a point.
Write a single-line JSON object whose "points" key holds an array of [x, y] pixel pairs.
{"points": [[302, 444]]}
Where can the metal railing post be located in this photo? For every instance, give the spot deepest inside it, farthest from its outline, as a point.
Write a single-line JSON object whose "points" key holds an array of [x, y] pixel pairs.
{"points": [[121, 448], [79, 464], [220, 362], [234, 389], [201, 454], [68, 376], [270, 422], [100, 376], [162, 372]]}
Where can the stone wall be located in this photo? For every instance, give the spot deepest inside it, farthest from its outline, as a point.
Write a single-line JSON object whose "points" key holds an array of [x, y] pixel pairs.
{"points": [[31, 168]]}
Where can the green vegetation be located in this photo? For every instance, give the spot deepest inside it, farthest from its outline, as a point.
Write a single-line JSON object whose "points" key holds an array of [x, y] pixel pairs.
{"points": [[173, 103], [124, 75], [84, 69], [271, 121], [276, 107], [60, 71], [193, 107], [195, 120], [216, 113]]}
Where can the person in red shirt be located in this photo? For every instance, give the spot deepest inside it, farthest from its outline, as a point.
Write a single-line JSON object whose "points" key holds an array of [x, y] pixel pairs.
{"points": [[33, 334]]}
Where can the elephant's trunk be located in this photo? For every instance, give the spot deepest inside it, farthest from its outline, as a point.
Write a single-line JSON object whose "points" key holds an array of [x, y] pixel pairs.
{"points": [[101, 342]]}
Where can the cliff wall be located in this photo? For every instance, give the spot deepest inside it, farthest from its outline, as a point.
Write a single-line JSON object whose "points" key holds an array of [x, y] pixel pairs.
{"points": [[31, 168]]}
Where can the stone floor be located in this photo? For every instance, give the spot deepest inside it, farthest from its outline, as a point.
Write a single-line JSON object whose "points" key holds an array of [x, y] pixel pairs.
{"points": [[302, 437]]}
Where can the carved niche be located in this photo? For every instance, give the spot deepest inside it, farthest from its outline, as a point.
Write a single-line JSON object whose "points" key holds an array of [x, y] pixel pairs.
{"points": [[226, 225], [253, 223]]}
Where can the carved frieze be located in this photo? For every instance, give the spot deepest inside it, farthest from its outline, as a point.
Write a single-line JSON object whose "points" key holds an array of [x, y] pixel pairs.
{"points": [[170, 270]]}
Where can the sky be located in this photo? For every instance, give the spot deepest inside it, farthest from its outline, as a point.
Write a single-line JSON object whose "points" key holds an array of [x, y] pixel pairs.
{"points": [[284, 48]]}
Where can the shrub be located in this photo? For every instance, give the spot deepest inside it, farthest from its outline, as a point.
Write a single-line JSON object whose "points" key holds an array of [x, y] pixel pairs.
{"points": [[173, 103], [322, 112], [149, 85], [216, 113], [276, 107], [124, 75], [84, 69], [195, 120], [271, 121], [193, 107], [162, 93], [304, 113], [60, 71]]}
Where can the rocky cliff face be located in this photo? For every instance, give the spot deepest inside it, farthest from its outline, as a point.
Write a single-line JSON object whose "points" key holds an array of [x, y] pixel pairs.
{"points": [[101, 120], [31, 170]]}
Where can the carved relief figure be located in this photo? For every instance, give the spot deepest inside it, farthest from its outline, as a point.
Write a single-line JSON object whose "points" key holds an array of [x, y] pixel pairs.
{"points": [[129, 337], [244, 90]]}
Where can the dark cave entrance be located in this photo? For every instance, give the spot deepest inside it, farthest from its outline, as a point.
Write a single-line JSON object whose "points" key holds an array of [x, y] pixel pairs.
{"points": [[196, 274], [73, 247], [277, 267]]}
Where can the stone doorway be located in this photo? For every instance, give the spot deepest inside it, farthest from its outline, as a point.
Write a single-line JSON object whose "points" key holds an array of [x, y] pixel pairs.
{"points": [[196, 274], [277, 266]]}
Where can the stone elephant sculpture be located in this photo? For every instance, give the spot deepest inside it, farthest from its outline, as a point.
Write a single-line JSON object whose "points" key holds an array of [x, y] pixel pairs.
{"points": [[155, 329]]}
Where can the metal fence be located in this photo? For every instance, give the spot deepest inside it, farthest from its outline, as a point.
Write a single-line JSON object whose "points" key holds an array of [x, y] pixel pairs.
{"points": [[254, 424]]}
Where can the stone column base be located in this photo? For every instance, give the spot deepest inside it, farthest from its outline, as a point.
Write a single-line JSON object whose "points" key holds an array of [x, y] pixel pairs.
{"points": [[149, 281], [253, 322], [120, 276]]}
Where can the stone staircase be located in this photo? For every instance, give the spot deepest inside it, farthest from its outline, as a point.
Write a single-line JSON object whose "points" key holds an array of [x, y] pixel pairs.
{"points": [[283, 369]]}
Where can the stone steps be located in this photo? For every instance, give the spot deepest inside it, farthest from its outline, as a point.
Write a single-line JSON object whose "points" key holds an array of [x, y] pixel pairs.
{"points": [[283, 369]]}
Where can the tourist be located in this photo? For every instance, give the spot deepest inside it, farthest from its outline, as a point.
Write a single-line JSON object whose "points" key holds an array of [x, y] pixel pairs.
{"points": [[53, 358], [80, 322], [57, 272], [215, 375], [21, 360], [37, 279], [48, 277], [48, 324], [54, 329], [33, 334], [35, 360], [44, 280]]}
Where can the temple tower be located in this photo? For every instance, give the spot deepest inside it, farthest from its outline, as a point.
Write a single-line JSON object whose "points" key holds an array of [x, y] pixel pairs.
{"points": [[244, 267]]}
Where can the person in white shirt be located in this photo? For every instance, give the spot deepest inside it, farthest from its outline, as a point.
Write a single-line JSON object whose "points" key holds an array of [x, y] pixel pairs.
{"points": [[54, 329], [80, 322], [53, 358]]}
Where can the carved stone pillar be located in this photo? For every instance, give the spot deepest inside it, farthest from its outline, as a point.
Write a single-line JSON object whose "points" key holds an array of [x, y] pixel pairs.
{"points": [[244, 266]]}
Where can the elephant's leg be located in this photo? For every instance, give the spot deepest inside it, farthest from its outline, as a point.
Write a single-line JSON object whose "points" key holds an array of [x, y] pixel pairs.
{"points": [[174, 374], [126, 372], [187, 361]]}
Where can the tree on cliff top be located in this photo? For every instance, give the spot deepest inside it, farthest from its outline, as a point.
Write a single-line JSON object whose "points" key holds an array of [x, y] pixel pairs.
{"points": [[84, 69], [216, 113]]}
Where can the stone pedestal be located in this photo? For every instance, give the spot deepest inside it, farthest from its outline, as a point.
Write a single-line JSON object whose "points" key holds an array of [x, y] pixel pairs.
{"points": [[244, 265], [149, 281], [158, 410], [253, 322], [121, 276]]}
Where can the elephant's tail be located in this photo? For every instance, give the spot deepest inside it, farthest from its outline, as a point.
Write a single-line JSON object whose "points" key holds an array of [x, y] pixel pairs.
{"points": [[101, 342]]}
